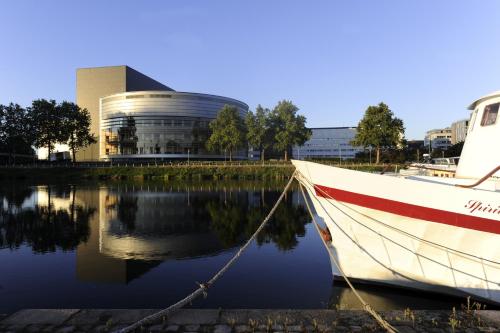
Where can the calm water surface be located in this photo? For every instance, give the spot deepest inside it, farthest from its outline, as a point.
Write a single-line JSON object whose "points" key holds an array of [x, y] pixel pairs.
{"points": [[125, 245]]}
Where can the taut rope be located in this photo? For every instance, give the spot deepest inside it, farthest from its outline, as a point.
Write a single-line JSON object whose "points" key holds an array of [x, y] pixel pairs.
{"points": [[203, 287], [366, 306]]}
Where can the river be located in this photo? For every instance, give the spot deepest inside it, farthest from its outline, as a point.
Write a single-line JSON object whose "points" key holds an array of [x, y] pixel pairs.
{"points": [[146, 245]]}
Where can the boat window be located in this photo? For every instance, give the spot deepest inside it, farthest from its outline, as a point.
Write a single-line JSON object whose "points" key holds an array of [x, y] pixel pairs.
{"points": [[473, 120], [490, 114]]}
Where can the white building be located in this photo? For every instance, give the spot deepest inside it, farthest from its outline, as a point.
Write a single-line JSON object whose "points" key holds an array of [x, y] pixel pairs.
{"points": [[438, 138], [328, 142]]}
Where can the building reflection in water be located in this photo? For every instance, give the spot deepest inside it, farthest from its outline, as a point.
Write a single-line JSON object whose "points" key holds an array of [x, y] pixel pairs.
{"points": [[46, 219], [138, 227], [121, 232]]}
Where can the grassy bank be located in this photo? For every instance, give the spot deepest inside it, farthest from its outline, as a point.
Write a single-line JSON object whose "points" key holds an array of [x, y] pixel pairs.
{"points": [[182, 172], [197, 172]]}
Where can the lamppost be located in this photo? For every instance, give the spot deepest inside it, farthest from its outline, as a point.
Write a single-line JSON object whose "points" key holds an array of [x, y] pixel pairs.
{"points": [[188, 156]]}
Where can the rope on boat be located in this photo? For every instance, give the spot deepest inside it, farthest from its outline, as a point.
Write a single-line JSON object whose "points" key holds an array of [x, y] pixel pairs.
{"points": [[366, 306], [203, 287]]}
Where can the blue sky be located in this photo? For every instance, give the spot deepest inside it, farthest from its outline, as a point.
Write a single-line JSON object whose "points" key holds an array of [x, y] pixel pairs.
{"points": [[427, 59]]}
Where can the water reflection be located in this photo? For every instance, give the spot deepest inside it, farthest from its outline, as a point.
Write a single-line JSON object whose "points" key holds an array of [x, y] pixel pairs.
{"points": [[383, 298], [121, 232], [159, 225], [35, 217], [235, 221]]}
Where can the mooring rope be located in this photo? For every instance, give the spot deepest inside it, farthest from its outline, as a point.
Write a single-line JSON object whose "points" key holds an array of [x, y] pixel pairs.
{"points": [[203, 287], [434, 244], [366, 306]]}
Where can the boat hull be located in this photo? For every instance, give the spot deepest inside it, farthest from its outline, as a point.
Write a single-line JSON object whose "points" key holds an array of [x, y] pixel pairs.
{"points": [[407, 233]]}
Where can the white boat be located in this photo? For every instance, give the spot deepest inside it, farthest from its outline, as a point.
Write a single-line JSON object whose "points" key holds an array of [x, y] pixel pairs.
{"points": [[419, 232]]}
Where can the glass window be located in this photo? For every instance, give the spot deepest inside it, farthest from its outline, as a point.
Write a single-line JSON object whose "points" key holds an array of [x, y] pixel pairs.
{"points": [[490, 114], [160, 96], [473, 120]]}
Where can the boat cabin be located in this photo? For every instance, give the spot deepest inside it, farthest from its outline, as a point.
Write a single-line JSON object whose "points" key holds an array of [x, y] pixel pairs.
{"points": [[481, 151]]}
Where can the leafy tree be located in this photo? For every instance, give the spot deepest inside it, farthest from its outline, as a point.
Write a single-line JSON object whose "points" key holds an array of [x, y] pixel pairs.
{"points": [[454, 150], [48, 121], [289, 128], [16, 130], [380, 129], [76, 125], [228, 131], [259, 133]]}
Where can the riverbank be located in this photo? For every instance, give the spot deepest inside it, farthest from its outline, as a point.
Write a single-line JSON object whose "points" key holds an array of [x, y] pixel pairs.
{"points": [[167, 172], [240, 321]]}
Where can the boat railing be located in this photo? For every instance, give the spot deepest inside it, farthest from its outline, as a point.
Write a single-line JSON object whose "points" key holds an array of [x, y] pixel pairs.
{"points": [[481, 180]]}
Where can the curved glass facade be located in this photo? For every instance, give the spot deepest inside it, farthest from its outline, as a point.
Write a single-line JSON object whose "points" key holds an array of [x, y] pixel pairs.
{"points": [[160, 124]]}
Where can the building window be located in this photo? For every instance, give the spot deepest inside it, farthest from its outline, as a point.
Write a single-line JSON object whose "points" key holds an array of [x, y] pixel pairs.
{"points": [[490, 114], [159, 96]]}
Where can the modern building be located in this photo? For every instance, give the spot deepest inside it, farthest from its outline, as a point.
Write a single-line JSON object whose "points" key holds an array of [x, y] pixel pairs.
{"points": [[438, 138], [459, 131], [328, 142], [136, 117], [160, 124]]}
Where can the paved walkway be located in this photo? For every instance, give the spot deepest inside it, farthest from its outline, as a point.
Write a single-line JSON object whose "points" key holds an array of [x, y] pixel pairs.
{"points": [[240, 321]]}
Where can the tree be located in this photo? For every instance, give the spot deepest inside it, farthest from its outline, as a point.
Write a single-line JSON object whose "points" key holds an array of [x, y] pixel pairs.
{"points": [[76, 125], [380, 129], [16, 131], [259, 131], [454, 150], [288, 127], [48, 122], [228, 131]]}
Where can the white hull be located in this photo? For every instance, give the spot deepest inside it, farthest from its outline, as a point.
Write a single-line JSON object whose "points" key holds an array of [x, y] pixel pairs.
{"points": [[409, 233]]}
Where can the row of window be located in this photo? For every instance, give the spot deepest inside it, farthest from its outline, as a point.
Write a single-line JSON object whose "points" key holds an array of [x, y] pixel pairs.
{"points": [[159, 122], [180, 96], [155, 150]]}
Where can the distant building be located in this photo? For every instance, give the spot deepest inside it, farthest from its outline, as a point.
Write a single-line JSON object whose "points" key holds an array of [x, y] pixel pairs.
{"points": [[438, 138], [328, 142], [135, 117], [459, 131]]}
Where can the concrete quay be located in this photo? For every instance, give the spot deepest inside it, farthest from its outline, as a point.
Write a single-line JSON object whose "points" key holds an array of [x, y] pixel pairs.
{"points": [[241, 321]]}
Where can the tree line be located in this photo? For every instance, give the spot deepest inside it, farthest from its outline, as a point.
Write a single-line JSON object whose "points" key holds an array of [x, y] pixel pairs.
{"points": [[278, 129], [42, 125]]}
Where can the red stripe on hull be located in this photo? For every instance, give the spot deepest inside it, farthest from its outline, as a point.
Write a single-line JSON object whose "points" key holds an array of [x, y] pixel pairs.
{"points": [[410, 210]]}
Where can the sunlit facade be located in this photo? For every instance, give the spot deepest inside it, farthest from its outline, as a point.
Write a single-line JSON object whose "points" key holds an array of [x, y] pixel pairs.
{"points": [[328, 142], [160, 125]]}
